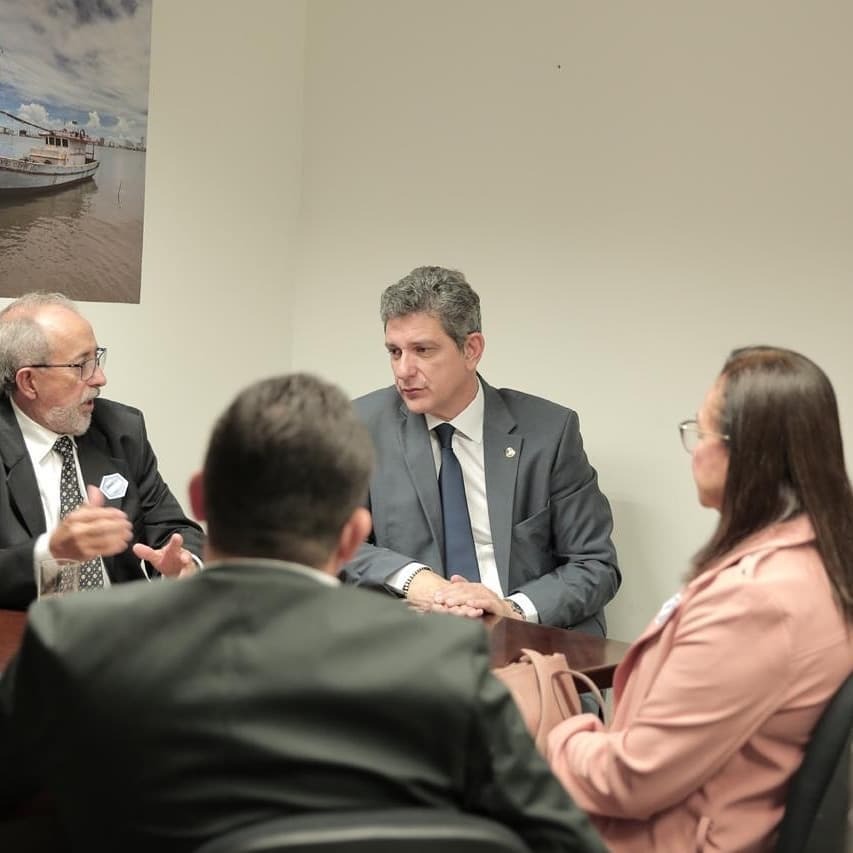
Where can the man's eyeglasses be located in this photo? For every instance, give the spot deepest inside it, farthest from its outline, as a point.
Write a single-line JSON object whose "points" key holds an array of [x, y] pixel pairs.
{"points": [[87, 368], [691, 434]]}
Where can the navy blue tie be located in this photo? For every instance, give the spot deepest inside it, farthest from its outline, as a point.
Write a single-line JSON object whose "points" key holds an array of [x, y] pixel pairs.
{"points": [[459, 555]]}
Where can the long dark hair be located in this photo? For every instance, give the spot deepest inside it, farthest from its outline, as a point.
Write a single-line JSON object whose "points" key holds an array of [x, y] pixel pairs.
{"points": [[785, 457]]}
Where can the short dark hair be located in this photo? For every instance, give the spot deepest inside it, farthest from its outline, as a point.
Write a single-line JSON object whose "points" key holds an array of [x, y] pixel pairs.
{"points": [[786, 456], [439, 291], [287, 464]]}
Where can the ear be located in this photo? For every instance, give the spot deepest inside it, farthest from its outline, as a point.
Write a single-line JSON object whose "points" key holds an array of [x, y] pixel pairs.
{"points": [[197, 496], [355, 530], [25, 384], [473, 348]]}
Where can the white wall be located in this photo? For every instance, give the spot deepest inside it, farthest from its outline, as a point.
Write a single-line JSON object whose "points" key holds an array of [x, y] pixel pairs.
{"points": [[633, 189], [222, 200]]}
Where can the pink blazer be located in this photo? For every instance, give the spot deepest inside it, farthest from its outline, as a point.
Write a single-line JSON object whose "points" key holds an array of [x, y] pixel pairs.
{"points": [[714, 704]]}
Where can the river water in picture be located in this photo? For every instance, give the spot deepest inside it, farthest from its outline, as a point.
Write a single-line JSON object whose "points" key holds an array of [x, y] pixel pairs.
{"points": [[85, 239]]}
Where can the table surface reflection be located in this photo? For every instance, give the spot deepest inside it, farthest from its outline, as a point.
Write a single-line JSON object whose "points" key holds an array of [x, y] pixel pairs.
{"points": [[594, 656]]}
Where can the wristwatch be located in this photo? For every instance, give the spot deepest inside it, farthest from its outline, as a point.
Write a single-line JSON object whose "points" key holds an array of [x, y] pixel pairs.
{"points": [[517, 608]]}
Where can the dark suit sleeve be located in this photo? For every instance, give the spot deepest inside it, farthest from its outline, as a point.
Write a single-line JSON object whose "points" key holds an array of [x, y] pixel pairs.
{"points": [[17, 575], [575, 528], [24, 711], [510, 782]]}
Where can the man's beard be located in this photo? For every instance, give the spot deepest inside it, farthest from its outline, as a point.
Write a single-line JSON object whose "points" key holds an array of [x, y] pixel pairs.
{"points": [[69, 420]]}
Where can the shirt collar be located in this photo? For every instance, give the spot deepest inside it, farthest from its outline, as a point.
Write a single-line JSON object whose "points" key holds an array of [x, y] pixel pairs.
{"points": [[38, 439], [315, 574], [469, 422]]}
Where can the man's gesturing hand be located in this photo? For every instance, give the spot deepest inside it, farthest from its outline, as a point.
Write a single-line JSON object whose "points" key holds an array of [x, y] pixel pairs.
{"points": [[91, 530]]}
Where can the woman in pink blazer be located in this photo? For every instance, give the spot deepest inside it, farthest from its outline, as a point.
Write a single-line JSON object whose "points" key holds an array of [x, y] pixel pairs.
{"points": [[715, 702]]}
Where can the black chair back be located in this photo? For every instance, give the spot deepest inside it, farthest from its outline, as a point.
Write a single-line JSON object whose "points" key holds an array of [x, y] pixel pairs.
{"points": [[818, 798], [420, 830]]}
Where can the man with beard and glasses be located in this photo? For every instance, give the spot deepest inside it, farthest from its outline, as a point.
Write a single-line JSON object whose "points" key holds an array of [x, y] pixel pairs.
{"points": [[80, 478]]}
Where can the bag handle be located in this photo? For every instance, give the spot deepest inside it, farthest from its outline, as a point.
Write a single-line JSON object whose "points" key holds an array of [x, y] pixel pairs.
{"points": [[593, 689], [544, 675]]}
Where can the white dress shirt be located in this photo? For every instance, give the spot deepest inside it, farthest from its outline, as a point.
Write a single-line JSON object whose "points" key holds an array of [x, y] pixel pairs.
{"points": [[47, 463], [467, 444]]}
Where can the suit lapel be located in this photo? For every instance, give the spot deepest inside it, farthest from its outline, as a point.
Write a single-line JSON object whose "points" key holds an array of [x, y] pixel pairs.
{"points": [[20, 476], [417, 453], [501, 455], [96, 463]]}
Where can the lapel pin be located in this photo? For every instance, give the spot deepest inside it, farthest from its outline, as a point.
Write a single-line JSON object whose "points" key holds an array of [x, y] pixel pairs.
{"points": [[113, 486], [509, 452]]}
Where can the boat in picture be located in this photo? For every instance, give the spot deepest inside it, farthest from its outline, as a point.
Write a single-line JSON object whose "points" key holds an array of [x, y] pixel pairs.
{"points": [[64, 157]]}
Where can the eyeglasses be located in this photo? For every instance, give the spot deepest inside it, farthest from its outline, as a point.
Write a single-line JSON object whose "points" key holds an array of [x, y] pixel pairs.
{"points": [[87, 368], [691, 434]]}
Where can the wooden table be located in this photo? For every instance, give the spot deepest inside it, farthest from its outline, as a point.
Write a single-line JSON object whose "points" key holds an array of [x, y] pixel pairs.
{"points": [[12, 624], [593, 656]]}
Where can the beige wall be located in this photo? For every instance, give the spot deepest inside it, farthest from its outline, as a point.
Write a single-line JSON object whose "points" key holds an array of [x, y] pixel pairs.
{"points": [[634, 189]]}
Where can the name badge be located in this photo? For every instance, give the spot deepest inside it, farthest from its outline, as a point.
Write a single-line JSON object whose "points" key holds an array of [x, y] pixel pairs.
{"points": [[667, 608], [114, 486]]}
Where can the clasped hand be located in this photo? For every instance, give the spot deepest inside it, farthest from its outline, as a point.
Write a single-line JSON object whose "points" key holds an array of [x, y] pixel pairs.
{"points": [[471, 599], [458, 596]]}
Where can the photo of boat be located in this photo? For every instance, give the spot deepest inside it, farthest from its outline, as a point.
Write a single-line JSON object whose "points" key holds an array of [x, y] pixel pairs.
{"points": [[74, 82], [65, 157]]}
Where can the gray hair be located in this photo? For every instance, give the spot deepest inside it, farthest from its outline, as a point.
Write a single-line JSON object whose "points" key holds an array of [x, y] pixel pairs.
{"points": [[22, 339], [438, 291], [287, 465]]}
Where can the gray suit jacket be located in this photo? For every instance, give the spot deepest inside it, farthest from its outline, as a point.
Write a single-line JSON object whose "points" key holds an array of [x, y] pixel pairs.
{"points": [[550, 524], [116, 442], [250, 691]]}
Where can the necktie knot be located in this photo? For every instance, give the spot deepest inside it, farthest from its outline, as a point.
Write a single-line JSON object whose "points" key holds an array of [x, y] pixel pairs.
{"points": [[64, 447], [445, 435]]}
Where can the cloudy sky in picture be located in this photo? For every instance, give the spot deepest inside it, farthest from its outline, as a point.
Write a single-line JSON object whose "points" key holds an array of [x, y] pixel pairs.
{"points": [[77, 60]]}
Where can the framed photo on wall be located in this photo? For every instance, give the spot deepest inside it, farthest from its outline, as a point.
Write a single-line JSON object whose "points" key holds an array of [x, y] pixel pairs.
{"points": [[73, 125]]}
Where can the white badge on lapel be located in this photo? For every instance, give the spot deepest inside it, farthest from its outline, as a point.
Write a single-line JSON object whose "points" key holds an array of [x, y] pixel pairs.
{"points": [[114, 486], [667, 609]]}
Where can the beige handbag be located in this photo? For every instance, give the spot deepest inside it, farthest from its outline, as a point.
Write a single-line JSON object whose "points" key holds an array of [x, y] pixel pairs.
{"points": [[544, 689]]}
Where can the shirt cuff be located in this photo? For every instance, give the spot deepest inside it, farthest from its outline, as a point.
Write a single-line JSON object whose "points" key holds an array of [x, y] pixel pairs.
{"points": [[397, 580], [531, 614]]}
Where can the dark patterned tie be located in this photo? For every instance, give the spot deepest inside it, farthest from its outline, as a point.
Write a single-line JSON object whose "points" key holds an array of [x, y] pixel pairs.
{"points": [[91, 573], [460, 557]]}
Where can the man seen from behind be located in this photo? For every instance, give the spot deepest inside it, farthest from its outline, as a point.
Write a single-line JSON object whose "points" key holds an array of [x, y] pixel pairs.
{"points": [[262, 687]]}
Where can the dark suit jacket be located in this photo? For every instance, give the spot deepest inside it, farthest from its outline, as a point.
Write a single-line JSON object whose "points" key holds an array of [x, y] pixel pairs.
{"points": [[550, 523], [116, 442], [250, 691]]}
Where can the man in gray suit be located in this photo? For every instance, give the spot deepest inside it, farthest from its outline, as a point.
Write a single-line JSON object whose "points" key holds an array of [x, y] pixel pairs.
{"points": [[162, 715], [540, 526]]}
